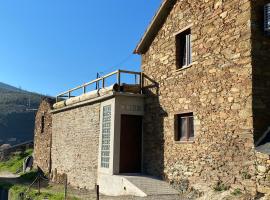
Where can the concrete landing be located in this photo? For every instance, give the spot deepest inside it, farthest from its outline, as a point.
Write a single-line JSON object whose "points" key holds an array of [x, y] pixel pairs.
{"points": [[134, 185], [151, 186]]}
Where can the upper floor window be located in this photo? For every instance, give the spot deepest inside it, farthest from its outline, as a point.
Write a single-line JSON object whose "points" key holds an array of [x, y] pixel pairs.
{"points": [[184, 127], [183, 49]]}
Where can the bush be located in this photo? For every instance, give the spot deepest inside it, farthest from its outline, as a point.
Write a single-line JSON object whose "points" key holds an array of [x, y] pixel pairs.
{"points": [[220, 187], [5, 186], [246, 175], [236, 192], [29, 176], [33, 194], [15, 162]]}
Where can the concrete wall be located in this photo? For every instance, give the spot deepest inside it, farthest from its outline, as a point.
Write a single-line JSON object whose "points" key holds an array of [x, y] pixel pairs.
{"points": [[217, 88], [42, 140], [75, 144], [120, 105]]}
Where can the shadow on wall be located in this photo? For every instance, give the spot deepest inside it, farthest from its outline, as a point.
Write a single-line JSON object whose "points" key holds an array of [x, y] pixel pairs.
{"points": [[261, 71], [153, 138]]}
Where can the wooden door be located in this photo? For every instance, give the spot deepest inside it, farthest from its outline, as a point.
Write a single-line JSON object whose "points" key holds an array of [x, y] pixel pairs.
{"points": [[130, 144]]}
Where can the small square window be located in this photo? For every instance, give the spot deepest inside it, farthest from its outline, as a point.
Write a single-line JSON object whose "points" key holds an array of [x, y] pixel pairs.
{"points": [[183, 49], [184, 127]]}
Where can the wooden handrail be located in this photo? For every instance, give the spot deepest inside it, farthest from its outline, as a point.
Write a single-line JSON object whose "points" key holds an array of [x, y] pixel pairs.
{"points": [[103, 78]]}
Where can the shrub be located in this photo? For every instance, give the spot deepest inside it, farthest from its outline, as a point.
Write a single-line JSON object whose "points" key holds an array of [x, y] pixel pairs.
{"points": [[246, 175], [236, 192], [220, 187]]}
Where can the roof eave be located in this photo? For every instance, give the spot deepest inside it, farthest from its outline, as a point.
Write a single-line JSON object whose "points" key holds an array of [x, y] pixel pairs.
{"points": [[155, 25]]}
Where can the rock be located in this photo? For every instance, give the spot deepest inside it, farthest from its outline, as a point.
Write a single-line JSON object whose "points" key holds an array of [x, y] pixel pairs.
{"points": [[261, 168]]}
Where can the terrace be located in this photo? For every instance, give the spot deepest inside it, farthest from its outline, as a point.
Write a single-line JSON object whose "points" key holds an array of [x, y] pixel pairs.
{"points": [[121, 81]]}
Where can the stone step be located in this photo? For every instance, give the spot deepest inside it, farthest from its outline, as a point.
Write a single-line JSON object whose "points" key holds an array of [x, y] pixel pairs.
{"points": [[134, 185], [151, 186]]}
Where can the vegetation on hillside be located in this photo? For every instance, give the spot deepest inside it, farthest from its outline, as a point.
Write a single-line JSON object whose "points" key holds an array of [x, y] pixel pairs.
{"points": [[15, 162], [33, 194], [17, 113], [46, 193]]}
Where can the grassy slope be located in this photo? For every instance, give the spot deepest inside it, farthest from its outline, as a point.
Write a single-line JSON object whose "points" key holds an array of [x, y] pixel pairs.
{"points": [[12, 165], [15, 190], [15, 162], [33, 194]]}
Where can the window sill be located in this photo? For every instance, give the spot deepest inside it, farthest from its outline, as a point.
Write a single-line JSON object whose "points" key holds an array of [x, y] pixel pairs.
{"points": [[185, 142], [186, 67]]}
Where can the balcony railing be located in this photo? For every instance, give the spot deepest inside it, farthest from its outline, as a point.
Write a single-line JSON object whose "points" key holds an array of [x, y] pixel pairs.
{"points": [[68, 94]]}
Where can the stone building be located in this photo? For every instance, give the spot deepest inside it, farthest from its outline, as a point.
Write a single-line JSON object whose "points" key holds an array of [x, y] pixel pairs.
{"points": [[211, 62], [43, 135], [196, 115]]}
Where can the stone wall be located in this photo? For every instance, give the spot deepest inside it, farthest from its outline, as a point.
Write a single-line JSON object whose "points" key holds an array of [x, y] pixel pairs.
{"points": [[42, 140], [217, 88], [261, 70], [263, 172], [75, 143]]}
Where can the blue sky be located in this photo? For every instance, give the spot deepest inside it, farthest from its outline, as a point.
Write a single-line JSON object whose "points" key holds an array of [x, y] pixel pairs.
{"points": [[53, 45]]}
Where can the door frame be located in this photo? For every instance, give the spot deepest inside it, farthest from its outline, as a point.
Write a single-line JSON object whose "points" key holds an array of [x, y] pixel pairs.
{"points": [[142, 143]]}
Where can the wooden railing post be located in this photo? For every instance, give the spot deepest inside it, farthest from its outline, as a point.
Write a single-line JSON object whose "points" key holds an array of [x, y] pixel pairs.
{"points": [[97, 191], [119, 77], [141, 82], [65, 187], [103, 82], [135, 78]]}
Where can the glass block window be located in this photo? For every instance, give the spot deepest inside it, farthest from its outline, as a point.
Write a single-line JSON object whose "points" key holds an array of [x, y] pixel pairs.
{"points": [[106, 133]]}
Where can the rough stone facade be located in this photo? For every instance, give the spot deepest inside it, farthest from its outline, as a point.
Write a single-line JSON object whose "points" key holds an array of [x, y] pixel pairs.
{"points": [[263, 172], [217, 88], [42, 139], [75, 145]]}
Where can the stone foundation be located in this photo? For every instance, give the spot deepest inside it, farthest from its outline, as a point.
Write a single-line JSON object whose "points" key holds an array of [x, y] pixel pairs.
{"points": [[263, 172]]}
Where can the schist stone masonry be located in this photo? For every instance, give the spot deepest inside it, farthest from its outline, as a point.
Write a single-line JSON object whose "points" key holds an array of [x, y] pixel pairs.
{"points": [[198, 113]]}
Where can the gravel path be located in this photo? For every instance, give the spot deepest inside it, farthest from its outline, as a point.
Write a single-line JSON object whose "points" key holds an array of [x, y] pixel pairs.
{"points": [[8, 175], [160, 197], [91, 195]]}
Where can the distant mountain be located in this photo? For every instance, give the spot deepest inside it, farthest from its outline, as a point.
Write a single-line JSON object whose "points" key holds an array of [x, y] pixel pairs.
{"points": [[17, 114], [10, 88]]}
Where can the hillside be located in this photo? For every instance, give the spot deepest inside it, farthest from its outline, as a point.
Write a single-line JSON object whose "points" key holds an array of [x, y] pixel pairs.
{"points": [[17, 114]]}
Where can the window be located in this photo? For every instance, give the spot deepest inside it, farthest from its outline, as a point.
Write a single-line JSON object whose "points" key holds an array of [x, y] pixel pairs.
{"points": [[42, 123], [183, 49], [106, 134], [184, 129]]}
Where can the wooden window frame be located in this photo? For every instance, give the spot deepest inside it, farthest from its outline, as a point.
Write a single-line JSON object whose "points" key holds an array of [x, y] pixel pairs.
{"points": [[183, 49], [189, 135]]}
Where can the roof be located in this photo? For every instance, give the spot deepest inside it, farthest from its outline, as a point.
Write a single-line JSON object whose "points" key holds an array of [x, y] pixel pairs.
{"points": [[156, 24]]}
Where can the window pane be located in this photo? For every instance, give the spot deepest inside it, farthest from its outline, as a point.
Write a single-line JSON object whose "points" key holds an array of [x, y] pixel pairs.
{"points": [[105, 140], [191, 127], [183, 48], [184, 62], [189, 49], [183, 128]]}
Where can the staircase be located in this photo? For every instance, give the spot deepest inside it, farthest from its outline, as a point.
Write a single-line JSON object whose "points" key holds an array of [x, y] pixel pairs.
{"points": [[135, 185]]}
